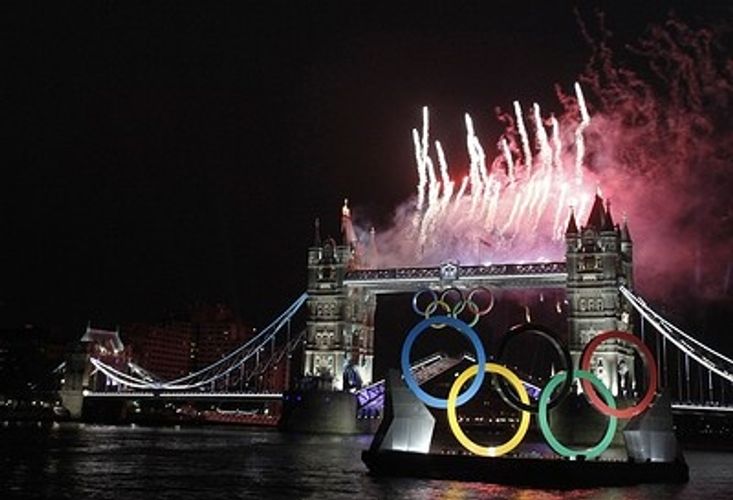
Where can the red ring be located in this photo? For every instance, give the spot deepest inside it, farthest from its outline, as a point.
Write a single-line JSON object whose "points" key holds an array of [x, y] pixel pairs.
{"points": [[649, 361]]}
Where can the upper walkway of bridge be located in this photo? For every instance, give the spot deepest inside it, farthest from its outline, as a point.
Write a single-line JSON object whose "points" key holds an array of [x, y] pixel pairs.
{"points": [[550, 274]]}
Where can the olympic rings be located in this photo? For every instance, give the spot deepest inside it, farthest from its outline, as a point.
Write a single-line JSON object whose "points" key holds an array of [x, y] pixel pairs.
{"points": [[488, 451], [556, 445], [509, 396], [512, 389], [651, 366], [469, 333], [452, 302]]}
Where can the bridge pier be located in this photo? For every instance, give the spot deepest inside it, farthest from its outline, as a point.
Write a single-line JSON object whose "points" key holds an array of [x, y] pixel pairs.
{"points": [[576, 423], [322, 412], [76, 380]]}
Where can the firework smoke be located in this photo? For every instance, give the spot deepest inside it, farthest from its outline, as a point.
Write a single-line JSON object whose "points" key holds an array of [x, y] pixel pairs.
{"points": [[661, 144], [657, 140]]}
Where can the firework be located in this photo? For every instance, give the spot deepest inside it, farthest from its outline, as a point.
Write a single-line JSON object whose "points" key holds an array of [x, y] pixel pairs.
{"points": [[517, 207]]}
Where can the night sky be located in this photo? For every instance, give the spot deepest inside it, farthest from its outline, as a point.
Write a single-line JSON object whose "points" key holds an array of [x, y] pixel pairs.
{"points": [[162, 154]]}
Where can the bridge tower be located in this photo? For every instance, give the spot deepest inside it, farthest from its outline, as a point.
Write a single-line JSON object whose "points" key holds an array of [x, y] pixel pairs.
{"points": [[76, 380], [340, 326], [599, 260]]}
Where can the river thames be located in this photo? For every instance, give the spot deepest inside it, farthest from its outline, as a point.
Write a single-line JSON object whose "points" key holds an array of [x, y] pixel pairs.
{"points": [[107, 462]]}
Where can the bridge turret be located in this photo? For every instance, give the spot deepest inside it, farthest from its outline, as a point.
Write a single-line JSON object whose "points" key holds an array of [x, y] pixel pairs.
{"points": [[348, 235], [572, 235], [371, 255], [627, 254], [317, 233]]}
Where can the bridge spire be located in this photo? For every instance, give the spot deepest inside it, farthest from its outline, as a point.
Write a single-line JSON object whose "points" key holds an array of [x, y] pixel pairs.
{"points": [[372, 248], [572, 225], [347, 228], [625, 235], [608, 226], [317, 232], [597, 217]]}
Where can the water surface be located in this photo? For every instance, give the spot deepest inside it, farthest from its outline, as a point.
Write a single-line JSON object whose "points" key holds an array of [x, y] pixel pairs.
{"points": [[105, 462]]}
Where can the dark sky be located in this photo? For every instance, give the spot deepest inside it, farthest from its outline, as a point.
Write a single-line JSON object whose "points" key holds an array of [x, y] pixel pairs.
{"points": [[161, 153]]}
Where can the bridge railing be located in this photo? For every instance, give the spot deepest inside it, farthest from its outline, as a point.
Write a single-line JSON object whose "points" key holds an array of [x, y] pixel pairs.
{"points": [[702, 354]]}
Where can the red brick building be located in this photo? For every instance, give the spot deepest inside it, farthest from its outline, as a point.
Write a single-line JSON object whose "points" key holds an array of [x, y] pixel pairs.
{"points": [[185, 344]]}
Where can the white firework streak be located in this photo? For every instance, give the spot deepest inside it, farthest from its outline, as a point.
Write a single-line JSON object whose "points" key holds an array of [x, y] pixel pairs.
{"points": [[421, 155], [473, 172], [493, 202], [455, 207], [542, 140], [579, 140], [529, 194], [480, 158], [433, 193], [422, 179], [557, 223], [557, 170], [545, 187], [445, 179], [508, 158], [526, 149], [583, 205], [541, 192], [556, 143], [438, 204], [513, 213]]}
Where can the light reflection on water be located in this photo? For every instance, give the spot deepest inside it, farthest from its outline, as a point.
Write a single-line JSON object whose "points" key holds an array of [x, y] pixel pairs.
{"points": [[106, 462]]}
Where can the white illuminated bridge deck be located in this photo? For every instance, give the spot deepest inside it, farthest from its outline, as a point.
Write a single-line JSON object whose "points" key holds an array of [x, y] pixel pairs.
{"points": [[187, 396]]}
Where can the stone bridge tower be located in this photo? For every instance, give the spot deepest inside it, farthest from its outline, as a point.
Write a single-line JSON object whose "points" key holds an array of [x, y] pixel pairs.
{"points": [[340, 327], [599, 260]]}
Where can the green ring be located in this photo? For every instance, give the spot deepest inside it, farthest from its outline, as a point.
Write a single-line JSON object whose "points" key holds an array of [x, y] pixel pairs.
{"points": [[556, 445]]}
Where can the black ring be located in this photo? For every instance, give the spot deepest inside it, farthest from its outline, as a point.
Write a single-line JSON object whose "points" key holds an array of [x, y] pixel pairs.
{"points": [[502, 386], [447, 291]]}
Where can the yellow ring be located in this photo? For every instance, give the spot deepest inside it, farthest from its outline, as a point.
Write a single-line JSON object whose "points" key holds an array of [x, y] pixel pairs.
{"points": [[432, 307], [487, 451]]}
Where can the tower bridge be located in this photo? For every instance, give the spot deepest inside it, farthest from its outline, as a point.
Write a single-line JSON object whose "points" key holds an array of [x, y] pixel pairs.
{"points": [[337, 343]]}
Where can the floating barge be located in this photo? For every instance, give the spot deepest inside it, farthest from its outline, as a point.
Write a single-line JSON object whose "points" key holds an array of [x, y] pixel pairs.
{"points": [[532, 472], [402, 447]]}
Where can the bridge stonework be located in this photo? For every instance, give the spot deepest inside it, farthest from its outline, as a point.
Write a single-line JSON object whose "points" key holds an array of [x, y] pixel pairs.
{"points": [[599, 260], [340, 327]]}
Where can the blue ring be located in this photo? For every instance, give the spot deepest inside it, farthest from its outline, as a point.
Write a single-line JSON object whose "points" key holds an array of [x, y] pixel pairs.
{"points": [[467, 332], [417, 296]]}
